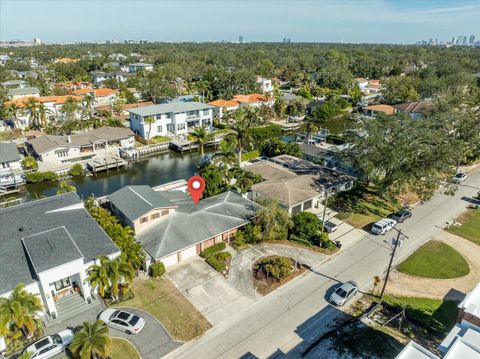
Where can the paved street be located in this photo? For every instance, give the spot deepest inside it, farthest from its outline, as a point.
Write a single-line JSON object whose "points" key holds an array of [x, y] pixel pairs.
{"points": [[286, 320]]}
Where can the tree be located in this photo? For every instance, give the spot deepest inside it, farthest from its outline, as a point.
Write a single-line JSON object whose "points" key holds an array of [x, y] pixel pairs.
{"points": [[240, 128], [32, 105], [150, 120], [12, 110], [201, 136], [65, 187], [214, 183], [400, 89], [273, 220], [225, 158], [244, 181], [311, 127], [109, 274], [91, 341], [307, 227], [275, 147], [30, 162], [43, 112], [280, 106], [20, 309]]}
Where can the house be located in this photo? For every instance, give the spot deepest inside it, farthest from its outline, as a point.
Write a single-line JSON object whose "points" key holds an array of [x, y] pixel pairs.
{"points": [[51, 251], [11, 172], [362, 83], [264, 84], [374, 110], [101, 96], [23, 92], [222, 107], [415, 351], [311, 106], [296, 183], [171, 228], [57, 150], [99, 76], [65, 60], [416, 109], [469, 314], [124, 108], [254, 100], [74, 85], [177, 118], [139, 66], [14, 83]]}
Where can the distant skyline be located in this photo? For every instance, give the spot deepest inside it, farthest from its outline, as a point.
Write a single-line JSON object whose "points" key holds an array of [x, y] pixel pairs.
{"points": [[352, 21]]}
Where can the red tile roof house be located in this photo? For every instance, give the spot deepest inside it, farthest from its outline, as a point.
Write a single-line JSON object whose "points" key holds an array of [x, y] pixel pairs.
{"points": [[102, 96], [223, 106]]}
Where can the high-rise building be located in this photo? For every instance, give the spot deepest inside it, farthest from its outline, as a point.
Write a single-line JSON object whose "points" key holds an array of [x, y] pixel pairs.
{"points": [[464, 41], [240, 39], [453, 40], [459, 40], [472, 40]]}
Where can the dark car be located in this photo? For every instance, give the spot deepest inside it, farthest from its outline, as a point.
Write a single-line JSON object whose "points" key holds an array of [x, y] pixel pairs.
{"points": [[401, 216]]}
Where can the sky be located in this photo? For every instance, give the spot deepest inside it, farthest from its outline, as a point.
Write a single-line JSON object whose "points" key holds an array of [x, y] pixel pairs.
{"points": [[351, 21]]}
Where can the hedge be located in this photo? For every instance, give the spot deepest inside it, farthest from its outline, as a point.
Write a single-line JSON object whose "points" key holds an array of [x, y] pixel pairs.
{"points": [[35, 177], [218, 260], [157, 269], [76, 170], [213, 249]]}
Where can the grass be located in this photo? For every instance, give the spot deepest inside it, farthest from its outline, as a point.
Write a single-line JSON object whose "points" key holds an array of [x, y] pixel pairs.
{"points": [[122, 349], [160, 298], [435, 260], [159, 139], [470, 228]]}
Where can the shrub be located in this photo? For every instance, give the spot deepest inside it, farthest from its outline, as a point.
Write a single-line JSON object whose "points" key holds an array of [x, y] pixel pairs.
{"points": [[157, 269], [36, 177], [261, 133], [250, 155], [278, 268], [218, 260], [76, 170], [307, 226], [239, 240], [30, 162], [213, 249]]}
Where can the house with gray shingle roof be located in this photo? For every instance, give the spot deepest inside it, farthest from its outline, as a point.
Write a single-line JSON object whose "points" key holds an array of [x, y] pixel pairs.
{"points": [[51, 251], [11, 172], [171, 228]]}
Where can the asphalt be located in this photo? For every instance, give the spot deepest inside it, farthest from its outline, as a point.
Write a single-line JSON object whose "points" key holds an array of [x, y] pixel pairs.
{"points": [[285, 322]]}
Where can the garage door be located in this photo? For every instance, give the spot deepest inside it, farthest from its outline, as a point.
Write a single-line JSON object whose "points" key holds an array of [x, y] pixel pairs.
{"points": [[296, 209], [170, 260], [189, 252], [307, 205]]}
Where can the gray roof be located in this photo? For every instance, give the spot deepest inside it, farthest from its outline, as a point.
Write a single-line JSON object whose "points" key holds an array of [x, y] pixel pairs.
{"points": [[136, 201], [312, 150], [171, 107], [24, 91], [51, 248], [31, 218], [13, 83], [192, 224], [140, 64], [9, 152], [47, 143]]}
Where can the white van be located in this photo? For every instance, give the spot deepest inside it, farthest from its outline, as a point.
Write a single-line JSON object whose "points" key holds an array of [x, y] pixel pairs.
{"points": [[383, 226]]}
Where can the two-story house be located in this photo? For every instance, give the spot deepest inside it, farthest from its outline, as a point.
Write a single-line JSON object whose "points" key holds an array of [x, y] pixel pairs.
{"points": [[174, 118], [11, 173], [139, 66], [101, 96]]}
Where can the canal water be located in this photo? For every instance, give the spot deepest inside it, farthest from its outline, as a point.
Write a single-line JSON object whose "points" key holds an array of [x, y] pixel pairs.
{"points": [[152, 171]]}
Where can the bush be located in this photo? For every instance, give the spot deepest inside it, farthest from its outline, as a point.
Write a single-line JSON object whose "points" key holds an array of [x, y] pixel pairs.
{"points": [[76, 170], [157, 269], [30, 162], [218, 260], [239, 240], [272, 147], [213, 249], [250, 155], [261, 133], [36, 177], [278, 268]]}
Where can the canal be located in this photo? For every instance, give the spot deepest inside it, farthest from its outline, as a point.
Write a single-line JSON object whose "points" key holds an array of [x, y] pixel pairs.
{"points": [[152, 171]]}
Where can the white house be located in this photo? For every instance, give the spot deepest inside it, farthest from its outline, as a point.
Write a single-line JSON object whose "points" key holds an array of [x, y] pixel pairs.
{"points": [[222, 107], [265, 84], [57, 150], [11, 172], [139, 66], [51, 252], [174, 118]]}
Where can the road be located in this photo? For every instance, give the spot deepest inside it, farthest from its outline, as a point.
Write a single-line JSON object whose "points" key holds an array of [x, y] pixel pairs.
{"points": [[284, 322]]}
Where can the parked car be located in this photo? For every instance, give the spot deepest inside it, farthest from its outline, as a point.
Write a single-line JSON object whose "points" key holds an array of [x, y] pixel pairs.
{"points": [[383, 225], [459, 177], [49, 346], [344, 293], [330, 226], [401, 216], [122, 320]]}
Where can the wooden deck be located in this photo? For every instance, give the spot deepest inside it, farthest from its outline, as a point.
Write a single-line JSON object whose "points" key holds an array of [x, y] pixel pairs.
{"points": [[106, 164]]}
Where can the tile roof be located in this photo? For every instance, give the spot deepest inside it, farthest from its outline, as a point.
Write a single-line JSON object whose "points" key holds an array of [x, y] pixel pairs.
{"points": [[31, 218], [224, 103], [9, 152], [97, 92], [387, 109], [251, 98], [171, 107], [59, 100]]}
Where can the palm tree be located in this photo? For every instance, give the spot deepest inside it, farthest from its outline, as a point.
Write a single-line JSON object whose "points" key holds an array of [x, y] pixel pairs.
{"points": [[241, 132], [202, 136], [243, 181], [42, 114], [225, 157], [311, 127], [91, 341], [109, 274], [20, 309], [32, 106], [12, 110], [150, 120]]}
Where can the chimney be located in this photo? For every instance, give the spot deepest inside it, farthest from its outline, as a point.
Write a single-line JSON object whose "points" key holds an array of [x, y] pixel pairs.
{"points": [[69, 139]]}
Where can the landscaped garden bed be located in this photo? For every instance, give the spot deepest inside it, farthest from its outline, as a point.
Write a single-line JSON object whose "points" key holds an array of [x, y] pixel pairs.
{"points": [[217, 259], [271, 272]]}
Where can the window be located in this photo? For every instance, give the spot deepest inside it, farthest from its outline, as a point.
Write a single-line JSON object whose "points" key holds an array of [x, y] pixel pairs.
{"points": [[192, 113], [205, 122], [144, 219], [164, 212], [155, 215], [181, 126], [170, 128], [159, 128], [62, 283], [206, 112], [158, 117], [169, 115]]}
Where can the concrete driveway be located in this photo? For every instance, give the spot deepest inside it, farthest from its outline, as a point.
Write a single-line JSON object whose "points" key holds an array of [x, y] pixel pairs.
{"points": [[208, 290]]}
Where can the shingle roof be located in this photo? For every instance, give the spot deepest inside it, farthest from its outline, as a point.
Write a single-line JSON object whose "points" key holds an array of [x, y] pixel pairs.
{"points": [[24, 91], [175, 107], [192, 224], [42, 215], [136, 201], [416, 107], [9, 152]]}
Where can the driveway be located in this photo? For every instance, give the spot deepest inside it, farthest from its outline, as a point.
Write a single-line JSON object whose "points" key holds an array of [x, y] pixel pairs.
{"points": [[208, 290]]}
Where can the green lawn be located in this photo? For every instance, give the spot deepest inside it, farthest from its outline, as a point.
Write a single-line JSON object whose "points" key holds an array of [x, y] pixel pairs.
{"points": [[159, 139], [435, 315], [122, 349], [470, 228], [160, 298], [435, 260]]}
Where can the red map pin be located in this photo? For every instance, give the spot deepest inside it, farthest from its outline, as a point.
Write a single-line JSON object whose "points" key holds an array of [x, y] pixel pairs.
{"points": [[196, 186]]}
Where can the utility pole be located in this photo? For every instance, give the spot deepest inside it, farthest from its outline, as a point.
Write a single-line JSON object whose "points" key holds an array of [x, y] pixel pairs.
{"points": [[397, 243], [324, 211]]}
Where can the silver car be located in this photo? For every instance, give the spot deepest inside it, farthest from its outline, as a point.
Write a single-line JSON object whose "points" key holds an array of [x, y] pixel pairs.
{"points": [[49, 346], [122, 320], [459, 177], [330, 227], [344, 293]]}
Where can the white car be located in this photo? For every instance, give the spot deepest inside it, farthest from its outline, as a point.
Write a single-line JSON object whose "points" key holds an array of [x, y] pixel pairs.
{"points": [[122, 320], [344, 293], [383, 225], [459, 177], [49, 346]]}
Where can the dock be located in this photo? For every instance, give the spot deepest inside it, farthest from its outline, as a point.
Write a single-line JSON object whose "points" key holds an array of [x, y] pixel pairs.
{"points": [[138, 153], [186, 145], [105, 164]]}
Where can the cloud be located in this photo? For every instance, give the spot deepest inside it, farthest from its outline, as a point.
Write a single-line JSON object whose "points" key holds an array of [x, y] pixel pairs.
{"points": [[457, 9]]}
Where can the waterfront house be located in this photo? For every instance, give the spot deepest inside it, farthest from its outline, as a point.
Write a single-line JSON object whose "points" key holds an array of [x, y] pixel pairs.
{"points": [[171, 228], [101, 96], [11, 173], [139, 66], [174, 118], [48, 245], [222, 107], [254, 100], [57, 150], [374, 110], [415, 109]]}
